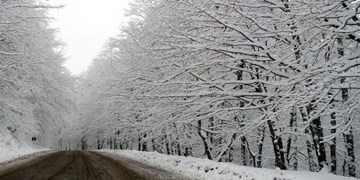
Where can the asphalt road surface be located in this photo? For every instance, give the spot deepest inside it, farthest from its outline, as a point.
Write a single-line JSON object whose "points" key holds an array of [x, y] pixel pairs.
{"points": [[83, 165]]}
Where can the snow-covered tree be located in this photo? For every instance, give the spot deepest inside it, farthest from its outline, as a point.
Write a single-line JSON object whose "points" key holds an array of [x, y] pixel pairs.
{"points": [[35, 87], [261, 83]]}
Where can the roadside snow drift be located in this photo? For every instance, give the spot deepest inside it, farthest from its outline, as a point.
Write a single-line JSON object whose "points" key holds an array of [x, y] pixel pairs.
{"points": [[200, 169], [11, 148]]}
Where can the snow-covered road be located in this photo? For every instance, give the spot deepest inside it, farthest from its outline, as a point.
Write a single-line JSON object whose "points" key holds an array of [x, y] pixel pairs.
{"points": [[83, 165]]}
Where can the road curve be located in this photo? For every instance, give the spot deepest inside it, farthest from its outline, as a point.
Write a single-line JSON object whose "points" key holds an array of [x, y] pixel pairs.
{"points": [[84, 165]]}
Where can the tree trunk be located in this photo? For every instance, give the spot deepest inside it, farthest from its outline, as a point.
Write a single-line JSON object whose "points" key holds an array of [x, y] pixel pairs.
{"points": [[349, 137], [277, 145], [83, 144], [231, 153], [153, 144], [260, 146], [292, 140], [243, 146], [309, 146], [350, 152], [120, 145], [211, 125], [188, 152], [144, 144], [206, 146], [333, 143], [167, 144], [318, 139], [227, 150], [244, 158], [178, 146], [110, 143], [318, 136]]}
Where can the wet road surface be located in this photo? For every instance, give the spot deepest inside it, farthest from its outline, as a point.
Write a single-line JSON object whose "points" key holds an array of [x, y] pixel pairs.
{"points": [[84, 165]]}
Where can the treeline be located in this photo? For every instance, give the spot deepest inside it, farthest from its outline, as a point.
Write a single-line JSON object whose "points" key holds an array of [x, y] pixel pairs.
{"points": [[260, 83], [34, 86]]}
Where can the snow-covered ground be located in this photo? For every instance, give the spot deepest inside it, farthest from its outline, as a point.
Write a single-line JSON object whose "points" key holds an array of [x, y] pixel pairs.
{"points": [[11, 157], [8, 155], [200, 169], [11, 148]]}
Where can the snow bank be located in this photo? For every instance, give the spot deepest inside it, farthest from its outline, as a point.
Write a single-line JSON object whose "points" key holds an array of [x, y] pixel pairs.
{"points": [[210, 170], [9, 155], [11, 149]]}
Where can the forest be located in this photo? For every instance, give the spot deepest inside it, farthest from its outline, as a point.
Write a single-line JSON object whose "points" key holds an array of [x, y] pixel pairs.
{"points": [[35, 88], [261, 83]]}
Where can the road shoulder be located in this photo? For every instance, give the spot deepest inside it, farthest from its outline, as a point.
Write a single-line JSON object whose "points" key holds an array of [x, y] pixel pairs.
{"points": [[143, 168], [9, 165]]}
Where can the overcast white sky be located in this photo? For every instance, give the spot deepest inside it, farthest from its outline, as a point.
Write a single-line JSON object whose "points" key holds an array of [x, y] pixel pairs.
{"points": [[84, 25]]}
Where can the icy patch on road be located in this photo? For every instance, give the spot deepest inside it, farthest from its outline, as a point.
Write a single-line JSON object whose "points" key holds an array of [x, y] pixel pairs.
{"points": [[201, 169]]}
